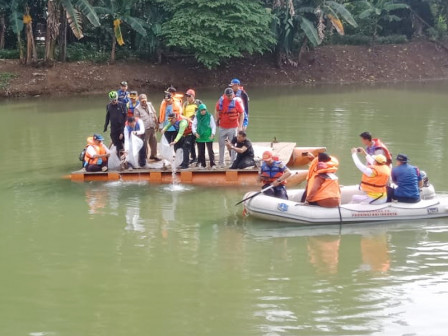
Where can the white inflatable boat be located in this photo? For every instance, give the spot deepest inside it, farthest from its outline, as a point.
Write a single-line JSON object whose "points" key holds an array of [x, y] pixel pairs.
{"points": [[432, 205]]}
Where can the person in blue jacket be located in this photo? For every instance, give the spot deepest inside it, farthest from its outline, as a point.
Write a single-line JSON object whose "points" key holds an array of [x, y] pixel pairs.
{"points": [[408, 180]]}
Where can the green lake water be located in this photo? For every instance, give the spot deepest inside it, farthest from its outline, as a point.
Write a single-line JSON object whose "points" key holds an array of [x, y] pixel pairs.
{"points": [[138, 259]]}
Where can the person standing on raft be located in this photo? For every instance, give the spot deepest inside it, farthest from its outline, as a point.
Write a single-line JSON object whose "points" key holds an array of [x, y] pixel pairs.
{"points": [[204, 129], [274, 173], [374, 178], [116, 115], [323, 186]]}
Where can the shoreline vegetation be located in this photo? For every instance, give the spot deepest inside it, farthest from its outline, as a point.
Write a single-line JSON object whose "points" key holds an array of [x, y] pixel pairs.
{"points": [[331, 64], [54, 47]]}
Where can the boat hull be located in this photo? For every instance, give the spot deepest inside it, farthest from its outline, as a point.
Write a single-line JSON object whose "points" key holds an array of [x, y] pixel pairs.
{"points": [[292, 211]]}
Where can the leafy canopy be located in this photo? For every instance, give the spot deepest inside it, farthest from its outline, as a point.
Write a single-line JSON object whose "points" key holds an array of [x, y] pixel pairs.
{"points": [[217, 30]]}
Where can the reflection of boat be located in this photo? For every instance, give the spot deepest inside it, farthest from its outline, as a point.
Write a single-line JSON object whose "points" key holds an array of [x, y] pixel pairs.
{"points": [[266, 207], [287, 152]]}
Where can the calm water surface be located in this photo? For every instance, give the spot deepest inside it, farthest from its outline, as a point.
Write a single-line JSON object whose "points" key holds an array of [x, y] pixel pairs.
{"points": [[138, 259]]}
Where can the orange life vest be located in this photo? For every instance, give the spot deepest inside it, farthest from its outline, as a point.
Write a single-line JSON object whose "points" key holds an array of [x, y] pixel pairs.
{"points": [[377, 183], [99, 150], [330, 188], [177, 109]]}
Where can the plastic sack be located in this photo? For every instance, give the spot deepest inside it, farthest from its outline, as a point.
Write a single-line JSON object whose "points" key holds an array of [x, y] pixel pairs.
{"points": [[114, 161], [135, 144]]}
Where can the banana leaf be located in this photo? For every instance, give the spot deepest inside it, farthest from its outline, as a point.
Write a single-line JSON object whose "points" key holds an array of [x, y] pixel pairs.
{"points": [[310, 31]]}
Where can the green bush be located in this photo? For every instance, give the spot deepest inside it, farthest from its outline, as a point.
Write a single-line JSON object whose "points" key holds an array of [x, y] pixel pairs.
{"points": [[9, 54], [391, 39], [85, 51]]}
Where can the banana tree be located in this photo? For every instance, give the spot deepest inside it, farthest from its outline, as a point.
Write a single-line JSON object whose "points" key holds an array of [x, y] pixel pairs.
{"points": [[309, 19], [116, 12], [378, 10], [16, 22], [72, 10], [31, 52]]}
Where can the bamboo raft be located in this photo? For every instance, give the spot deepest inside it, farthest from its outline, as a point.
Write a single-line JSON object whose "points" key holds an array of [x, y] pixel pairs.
{"points": [[286, 152]]}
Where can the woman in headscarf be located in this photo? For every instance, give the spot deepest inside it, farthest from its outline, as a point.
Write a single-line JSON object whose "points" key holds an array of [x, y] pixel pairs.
{"points": [[204, 128]]}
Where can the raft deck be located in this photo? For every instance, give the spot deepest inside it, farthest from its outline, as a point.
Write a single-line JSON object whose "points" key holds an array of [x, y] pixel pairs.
{"points": [[286, 151]]}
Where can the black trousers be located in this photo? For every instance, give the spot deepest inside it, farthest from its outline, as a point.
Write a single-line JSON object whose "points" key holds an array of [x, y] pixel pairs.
{"points": [[391, 197], [96, 167], [142, 153], [170, 136], [115, 137], [201, 153], [185, 143], [193, 149], [242, 162]]}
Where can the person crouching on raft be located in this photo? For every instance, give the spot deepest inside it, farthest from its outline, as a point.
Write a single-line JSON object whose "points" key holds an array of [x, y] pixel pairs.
{"points": [[323, 186], [374, 178], [274, 172], [96, 154]]}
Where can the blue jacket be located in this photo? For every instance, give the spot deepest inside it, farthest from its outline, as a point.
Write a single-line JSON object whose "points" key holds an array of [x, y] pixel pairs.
{"points": [[406, 177]]}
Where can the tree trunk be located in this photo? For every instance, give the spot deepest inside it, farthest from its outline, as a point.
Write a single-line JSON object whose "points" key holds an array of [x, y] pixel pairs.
{"points": [[2, 31], [112, 53], [31, 52], [63, 37], [52, 31], [303, 47]]}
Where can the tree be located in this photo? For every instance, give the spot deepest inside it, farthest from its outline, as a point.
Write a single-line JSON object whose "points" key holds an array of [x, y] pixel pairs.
{"points": [[31, 53], [306, 20], [115, 12], [72, 10], [15, 19], [213, 31], [378, 10]]}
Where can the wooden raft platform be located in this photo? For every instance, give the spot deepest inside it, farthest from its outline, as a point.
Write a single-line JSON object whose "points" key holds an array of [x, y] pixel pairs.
{"points": [[286, 151]]}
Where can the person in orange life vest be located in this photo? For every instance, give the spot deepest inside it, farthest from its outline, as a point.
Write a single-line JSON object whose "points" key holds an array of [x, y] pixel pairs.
{"points": [[190, 108], [323, 186], [184, 136], [123, 93], [179, 97], [239, 91], [137, 127], [274, 173], [168, 106], [132, 103], [229, 116], [374, 178], [375, 146], [96, 154]]}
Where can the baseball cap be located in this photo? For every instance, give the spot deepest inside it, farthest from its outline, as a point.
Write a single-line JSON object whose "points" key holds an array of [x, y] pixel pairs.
{"points": [[402, 158], [235, 81], [133, 93], [123, 83], [190, 92], [267, 155], [171, 115], [98, 137], [228, 91], [380, 158]]}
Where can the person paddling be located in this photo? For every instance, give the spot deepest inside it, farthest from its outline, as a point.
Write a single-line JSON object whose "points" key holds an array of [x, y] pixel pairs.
{"points": [[274, 172]]}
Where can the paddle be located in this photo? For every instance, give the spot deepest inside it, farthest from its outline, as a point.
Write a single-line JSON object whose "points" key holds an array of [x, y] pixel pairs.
{"points": [[262, 191], [256, 194]]}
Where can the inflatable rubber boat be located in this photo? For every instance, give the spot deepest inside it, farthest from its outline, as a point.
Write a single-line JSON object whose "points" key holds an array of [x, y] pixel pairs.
{"points": [[432, 205]]}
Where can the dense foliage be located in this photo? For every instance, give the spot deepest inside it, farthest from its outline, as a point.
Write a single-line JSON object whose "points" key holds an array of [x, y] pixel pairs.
{"points": [[211, 31]]}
